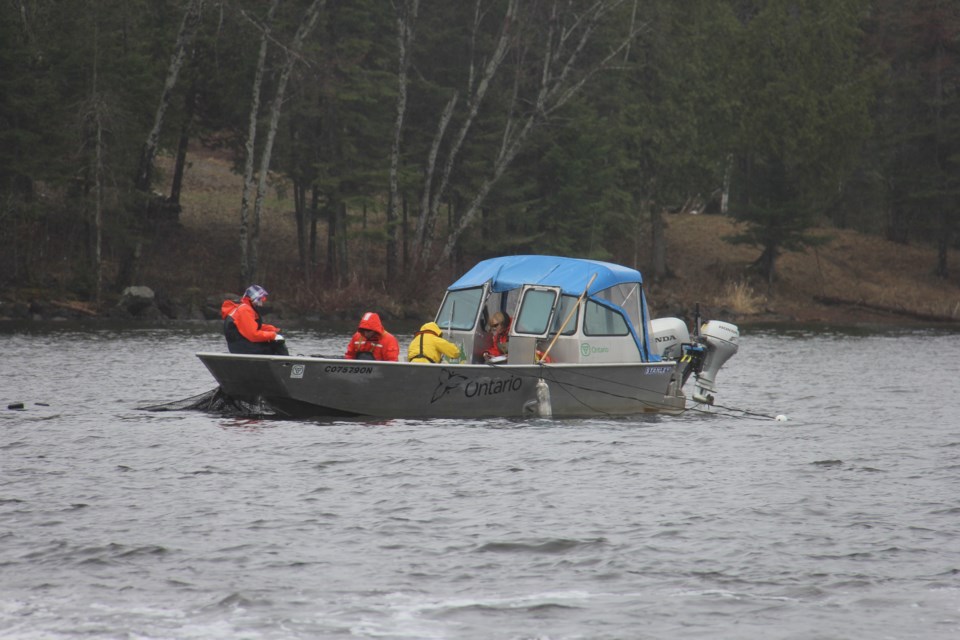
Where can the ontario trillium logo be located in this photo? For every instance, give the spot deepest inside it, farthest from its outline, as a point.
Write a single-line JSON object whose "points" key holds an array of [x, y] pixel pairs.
{"points": [[587, 350], [447, 382]]}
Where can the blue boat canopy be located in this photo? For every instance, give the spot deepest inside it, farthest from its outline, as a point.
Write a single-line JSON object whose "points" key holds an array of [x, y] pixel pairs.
{"points": [[571, 275]]}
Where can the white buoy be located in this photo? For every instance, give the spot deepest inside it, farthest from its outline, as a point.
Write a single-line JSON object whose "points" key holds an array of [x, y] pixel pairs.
{"points": [[781, 418], [543, 399]]}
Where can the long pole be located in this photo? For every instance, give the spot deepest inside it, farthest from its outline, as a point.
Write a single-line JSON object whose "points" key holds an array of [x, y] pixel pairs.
{"points": [[569, 315]]}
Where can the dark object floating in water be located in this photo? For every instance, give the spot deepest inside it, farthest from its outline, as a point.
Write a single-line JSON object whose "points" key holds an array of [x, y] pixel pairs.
{"points": [[15, 405], [215, 401]]}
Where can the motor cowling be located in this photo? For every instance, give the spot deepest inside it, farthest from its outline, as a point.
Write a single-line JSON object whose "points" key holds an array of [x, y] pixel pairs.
{"points": [[722, 341], [667, 337]]}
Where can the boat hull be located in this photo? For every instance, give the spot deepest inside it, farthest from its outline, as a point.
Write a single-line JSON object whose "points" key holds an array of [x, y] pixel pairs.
{"points": [[304, 387]]}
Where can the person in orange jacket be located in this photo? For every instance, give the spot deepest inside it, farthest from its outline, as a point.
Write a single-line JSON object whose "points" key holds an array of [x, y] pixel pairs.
{"points": [[245, 331], [372, 341], [499, 335]]}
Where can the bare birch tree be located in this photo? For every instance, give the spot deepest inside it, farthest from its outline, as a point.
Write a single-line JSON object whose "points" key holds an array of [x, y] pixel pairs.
{"points": [[293, 55], [250, 146], [564, 68], [144, 175], [97, 114], [407, 11], [188, 29], [431, 198]]}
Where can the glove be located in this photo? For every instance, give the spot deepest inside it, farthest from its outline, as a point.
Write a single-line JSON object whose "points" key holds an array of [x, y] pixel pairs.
{"points": [[278, 338]]}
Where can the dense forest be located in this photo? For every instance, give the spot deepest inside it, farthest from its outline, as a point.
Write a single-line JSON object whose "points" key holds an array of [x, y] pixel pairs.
{"points": [[436, 132]]}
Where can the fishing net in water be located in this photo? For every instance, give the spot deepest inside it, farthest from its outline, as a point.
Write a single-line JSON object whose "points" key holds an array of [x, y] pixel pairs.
{"points": [[215, 401]]}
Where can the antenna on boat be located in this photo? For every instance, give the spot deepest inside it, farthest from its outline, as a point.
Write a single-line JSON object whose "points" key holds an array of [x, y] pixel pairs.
{"points": [[696, 321]]}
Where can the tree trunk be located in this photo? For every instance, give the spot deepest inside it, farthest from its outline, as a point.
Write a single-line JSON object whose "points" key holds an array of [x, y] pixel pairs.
{"points": [[314, 216], [188, 28], [300, 215], [98, 218], [364, 244], [337, 261], [430, 205], [190, 105], [331, 275], [658, 244], [899, 219], [944, 240], [406, 21], [727, 177], [249, 150], [406, 231], [767, 263], [639, 211], [97, 173], [425, 216], [559, 79], [129, 264], [343, 261], [293, 54]]}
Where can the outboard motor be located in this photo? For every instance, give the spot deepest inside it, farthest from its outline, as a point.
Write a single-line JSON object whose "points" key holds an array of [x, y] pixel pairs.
{"points": [[722, 341], [667, 337]]}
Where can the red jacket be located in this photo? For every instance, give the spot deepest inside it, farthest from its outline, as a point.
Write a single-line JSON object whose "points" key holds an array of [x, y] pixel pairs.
{"points": [[384, 347], [246, 320], [500, 340]]}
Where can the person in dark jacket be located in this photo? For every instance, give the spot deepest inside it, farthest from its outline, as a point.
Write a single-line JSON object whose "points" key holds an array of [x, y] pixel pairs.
{"points": [[244, 329]]}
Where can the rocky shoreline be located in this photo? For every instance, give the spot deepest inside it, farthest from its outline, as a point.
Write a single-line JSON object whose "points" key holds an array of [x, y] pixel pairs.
{"points": [[135, 303], [141, 304]]}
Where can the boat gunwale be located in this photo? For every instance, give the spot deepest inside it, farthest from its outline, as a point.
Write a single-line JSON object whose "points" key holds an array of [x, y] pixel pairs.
{"points": [[393, 363]]}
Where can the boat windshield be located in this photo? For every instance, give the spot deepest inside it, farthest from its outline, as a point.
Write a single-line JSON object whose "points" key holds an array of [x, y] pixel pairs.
{"points": [[459, 309]]}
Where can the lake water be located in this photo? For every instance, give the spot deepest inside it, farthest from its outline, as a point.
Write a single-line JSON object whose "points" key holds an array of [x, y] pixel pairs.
{"points": [[841, 523]]}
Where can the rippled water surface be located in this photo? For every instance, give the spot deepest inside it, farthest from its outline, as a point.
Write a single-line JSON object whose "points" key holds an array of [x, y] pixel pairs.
{"points": [[843, 522]]}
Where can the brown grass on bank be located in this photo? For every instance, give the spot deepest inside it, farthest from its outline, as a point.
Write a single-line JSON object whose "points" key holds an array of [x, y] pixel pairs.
{"points": [[881, 280], [202, 253], [740, 298], [868, 272]]}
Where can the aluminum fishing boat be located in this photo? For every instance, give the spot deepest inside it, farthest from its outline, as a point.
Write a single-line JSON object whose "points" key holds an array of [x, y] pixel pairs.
{"points": [[581, 343]]}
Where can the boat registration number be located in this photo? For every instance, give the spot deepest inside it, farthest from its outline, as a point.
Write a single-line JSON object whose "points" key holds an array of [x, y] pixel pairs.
{"points": [[337, 368]]}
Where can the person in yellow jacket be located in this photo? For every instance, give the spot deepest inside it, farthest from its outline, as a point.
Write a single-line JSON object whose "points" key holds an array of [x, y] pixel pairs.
{"points": [[428, 345]]}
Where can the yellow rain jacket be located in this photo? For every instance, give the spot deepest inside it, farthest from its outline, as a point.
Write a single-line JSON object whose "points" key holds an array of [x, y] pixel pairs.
{"points": [[428, 346]]}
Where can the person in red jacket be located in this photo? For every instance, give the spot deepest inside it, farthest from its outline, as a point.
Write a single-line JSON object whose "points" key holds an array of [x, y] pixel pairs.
{"points": [[499, 336], [372, 341], [245, 331]]}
